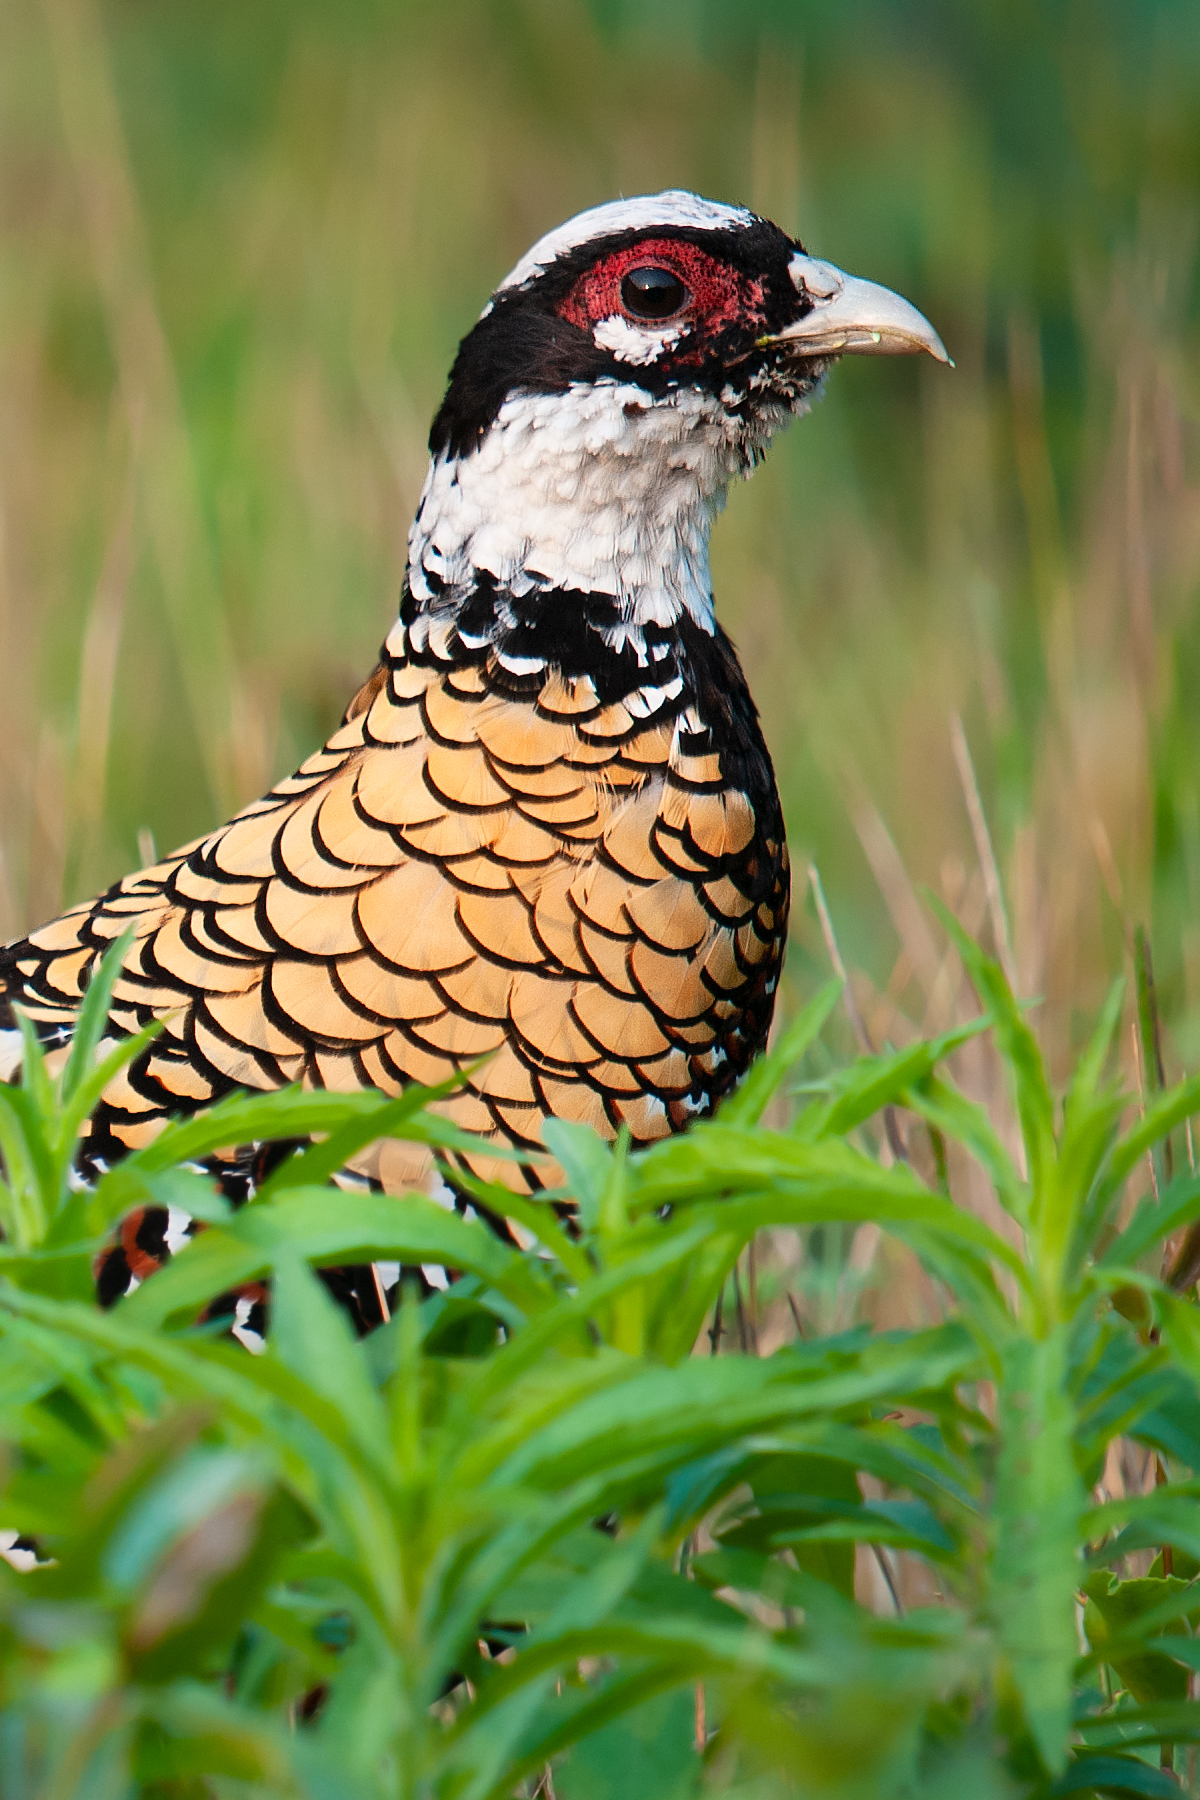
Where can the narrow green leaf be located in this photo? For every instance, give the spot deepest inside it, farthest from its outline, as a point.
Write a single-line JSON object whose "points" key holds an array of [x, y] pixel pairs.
{"points": [[1166, 1516], [92, 1018], [17, 1118], [388, 1118], [35, 1076], [749, 1100], [633, 1738], [1181, 1330], [1181, 1649], [790, 1182], [328, 1227], [1162, 1114], [942, 1106], [593, 1598], [93, 1082], [682, 1413], [1034, 1563], [873, 1082], [905, 1524], [1166, 1722], [173, 1503], [1017, 1044], [1090, 1068], [1154, 1220], [1118, 1775], [252, 1118], [534, 1215], [205, 1734], [311, 1334], [29, 1161], [586, 1161]]}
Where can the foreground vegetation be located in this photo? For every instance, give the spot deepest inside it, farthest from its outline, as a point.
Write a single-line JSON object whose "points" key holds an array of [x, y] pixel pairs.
{"points": [[524, 1534]]}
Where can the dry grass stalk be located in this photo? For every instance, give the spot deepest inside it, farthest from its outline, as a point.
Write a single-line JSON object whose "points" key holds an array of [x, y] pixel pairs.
{"points": [[895, 1143], [983, 849]]}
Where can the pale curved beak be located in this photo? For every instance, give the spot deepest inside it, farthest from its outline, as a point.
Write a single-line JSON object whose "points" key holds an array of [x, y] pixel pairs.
{"points": [[851, 317]]}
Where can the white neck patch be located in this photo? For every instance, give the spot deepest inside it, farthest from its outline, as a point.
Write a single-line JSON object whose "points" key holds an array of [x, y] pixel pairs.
{"points": [[603, 489]]}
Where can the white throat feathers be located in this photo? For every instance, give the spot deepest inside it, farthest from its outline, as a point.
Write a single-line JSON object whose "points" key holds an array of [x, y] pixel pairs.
{"points": [[605, 489]]}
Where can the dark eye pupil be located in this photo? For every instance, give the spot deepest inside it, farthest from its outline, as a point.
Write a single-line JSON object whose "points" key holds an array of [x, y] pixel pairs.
{"points": [[653, 293]]}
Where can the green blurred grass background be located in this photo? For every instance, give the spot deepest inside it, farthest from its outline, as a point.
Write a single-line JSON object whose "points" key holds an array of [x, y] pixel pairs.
{"points": [[238, 245]]}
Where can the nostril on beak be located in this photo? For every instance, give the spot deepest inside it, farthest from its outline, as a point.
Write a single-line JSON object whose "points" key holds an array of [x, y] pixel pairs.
{"points": [[819, 280]]}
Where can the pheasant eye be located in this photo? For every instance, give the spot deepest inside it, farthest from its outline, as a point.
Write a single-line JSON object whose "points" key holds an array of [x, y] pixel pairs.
{"points": [[653, 293]]}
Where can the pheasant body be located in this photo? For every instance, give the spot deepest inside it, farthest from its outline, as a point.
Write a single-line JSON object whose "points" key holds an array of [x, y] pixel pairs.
{"points": [[588, 893], [544, 851]]}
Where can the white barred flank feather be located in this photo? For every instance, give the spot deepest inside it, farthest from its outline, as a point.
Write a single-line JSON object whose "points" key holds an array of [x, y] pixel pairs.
{"points": [[11, 1054]]}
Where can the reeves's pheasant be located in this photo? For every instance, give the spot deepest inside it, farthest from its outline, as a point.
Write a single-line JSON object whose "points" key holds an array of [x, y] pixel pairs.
{"points": [[547, 832]]}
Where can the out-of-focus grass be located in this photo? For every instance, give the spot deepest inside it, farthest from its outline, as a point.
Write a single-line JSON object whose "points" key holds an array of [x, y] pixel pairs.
{"points": [[237, 248]]}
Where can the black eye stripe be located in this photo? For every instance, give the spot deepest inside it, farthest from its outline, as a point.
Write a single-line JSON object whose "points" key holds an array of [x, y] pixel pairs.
{"points": [[653, 293]]}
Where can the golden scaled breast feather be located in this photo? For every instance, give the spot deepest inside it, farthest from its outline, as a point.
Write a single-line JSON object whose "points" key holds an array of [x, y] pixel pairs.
{"points": [[546, 892]]}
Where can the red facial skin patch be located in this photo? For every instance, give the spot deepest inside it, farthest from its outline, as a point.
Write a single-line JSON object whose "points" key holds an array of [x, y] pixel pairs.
{"points": [[720, 295]]}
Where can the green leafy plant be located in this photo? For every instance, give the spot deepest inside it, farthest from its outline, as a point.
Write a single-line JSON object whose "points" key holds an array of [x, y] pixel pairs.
{"points": [[522, 1536]]}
